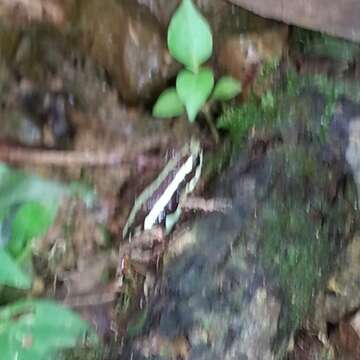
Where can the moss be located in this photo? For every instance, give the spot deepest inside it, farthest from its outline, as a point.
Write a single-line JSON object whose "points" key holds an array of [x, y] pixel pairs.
{"points": [[130, 317], [294, 246], [269, 69], [266, 75], [217, 162], [268, 110], [318, 44], [258, 110], [252, 114], [331, 89], [298, 240], [293, 262], [136, 327]]}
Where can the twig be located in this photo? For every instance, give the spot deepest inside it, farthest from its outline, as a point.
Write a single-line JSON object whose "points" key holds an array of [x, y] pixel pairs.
{"points": [[125, 154], [206, 205], [59, 158]]}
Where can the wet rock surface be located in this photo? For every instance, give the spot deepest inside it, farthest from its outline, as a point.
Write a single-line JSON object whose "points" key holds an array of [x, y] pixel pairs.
{"points": [[130, 45], [245, 280], [339, 18], [243, 54], [343, 289]]}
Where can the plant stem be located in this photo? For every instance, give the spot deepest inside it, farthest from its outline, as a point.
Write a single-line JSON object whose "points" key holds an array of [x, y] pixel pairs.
{"points": [[209, 120]]}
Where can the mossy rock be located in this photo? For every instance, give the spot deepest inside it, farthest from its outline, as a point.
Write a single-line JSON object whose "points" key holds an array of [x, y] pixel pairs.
{"points": [[251, 274]]}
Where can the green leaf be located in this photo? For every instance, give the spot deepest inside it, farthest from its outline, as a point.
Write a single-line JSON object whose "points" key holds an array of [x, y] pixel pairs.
{"points": [[189, 36], [4, 346], [28, 205], [32, 220], [35, 329], [11, 274], [194, 89], [226, 88], [168, 105], [18, 187]]}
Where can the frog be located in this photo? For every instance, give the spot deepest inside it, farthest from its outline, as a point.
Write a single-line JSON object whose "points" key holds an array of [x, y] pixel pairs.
{"points": [[158, 204], [157, 210], [155, 213]]}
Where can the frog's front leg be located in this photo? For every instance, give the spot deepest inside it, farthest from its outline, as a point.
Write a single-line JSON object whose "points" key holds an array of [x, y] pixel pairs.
{"points": [[143, 246]]}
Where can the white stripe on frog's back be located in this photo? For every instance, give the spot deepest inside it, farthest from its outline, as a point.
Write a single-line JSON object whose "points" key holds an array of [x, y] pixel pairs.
{"points": [[147, 194], [165, 198]]}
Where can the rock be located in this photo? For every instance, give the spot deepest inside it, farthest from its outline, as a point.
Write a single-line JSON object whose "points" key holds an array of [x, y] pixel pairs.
{"points": [[352, 151], [245, 279], [339, 18], [20, 12], [18, 127], [343, 289], [242, 55], [164, 9], [130, 45], [343, 292]]}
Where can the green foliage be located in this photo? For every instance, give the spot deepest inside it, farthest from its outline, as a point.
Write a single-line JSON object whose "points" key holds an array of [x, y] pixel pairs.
{"points": [[322, 45], [255, 112], [194, 89], [31, 221], [331, 89], [168, 105], [296, 246], [267, 110], [226, 88], [29, 329], [190, 42], [189, 36], [11, 274], [28, 206], [135, 327], [17, 187], [35, 329]]}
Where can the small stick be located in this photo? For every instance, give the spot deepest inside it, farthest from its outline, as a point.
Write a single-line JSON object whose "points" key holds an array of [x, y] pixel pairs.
{"points": [[206, 205], [58, 157], [124, 155]]}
